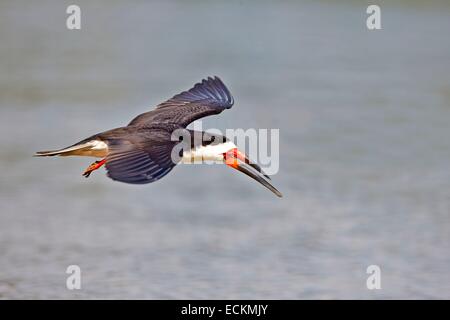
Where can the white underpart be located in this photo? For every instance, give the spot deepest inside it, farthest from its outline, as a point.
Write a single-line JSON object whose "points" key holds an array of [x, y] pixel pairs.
{"points": [[98, 145], [207, 154], [97, 148]]}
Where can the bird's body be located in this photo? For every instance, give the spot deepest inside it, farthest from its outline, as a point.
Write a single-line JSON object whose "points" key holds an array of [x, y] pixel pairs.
{"points": [[144, 150]]}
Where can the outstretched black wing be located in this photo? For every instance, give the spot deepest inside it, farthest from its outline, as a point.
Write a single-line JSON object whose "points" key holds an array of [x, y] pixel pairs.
{"points": [[139, 161], [206, 98]]}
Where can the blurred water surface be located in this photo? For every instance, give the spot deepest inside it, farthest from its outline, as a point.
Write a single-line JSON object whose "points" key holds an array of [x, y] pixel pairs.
{"points": [[364, 120]]}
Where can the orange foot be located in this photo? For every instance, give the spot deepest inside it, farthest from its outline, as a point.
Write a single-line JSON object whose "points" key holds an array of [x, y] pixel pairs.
{"points": [[93, 167]]}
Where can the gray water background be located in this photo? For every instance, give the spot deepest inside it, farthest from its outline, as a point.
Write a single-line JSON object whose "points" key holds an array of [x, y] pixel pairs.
{"points": [[364, 119]]}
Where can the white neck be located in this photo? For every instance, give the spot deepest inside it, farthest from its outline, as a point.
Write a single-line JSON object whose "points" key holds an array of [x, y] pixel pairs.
{"points": [[209, 153]]}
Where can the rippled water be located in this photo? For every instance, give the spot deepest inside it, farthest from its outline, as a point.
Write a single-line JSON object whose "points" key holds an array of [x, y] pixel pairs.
{"points": [[364, 120]]}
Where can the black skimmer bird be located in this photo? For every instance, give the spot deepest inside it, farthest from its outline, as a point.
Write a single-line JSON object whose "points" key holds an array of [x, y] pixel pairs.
{"points": [[141, 152]]}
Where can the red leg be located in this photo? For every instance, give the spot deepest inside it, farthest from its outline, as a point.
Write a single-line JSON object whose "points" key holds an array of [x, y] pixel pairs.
{"points": [[93, 167]]}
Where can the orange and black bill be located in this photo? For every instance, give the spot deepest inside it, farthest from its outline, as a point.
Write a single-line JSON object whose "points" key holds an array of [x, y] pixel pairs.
{"points": [[255, 172]]}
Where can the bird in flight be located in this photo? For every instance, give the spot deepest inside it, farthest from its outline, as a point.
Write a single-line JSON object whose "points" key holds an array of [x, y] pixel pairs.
{"points": [[142, 151]]}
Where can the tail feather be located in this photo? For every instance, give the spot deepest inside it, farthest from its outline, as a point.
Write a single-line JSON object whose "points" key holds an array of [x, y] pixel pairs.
{"points": [[61, 152], [91, 148]]}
